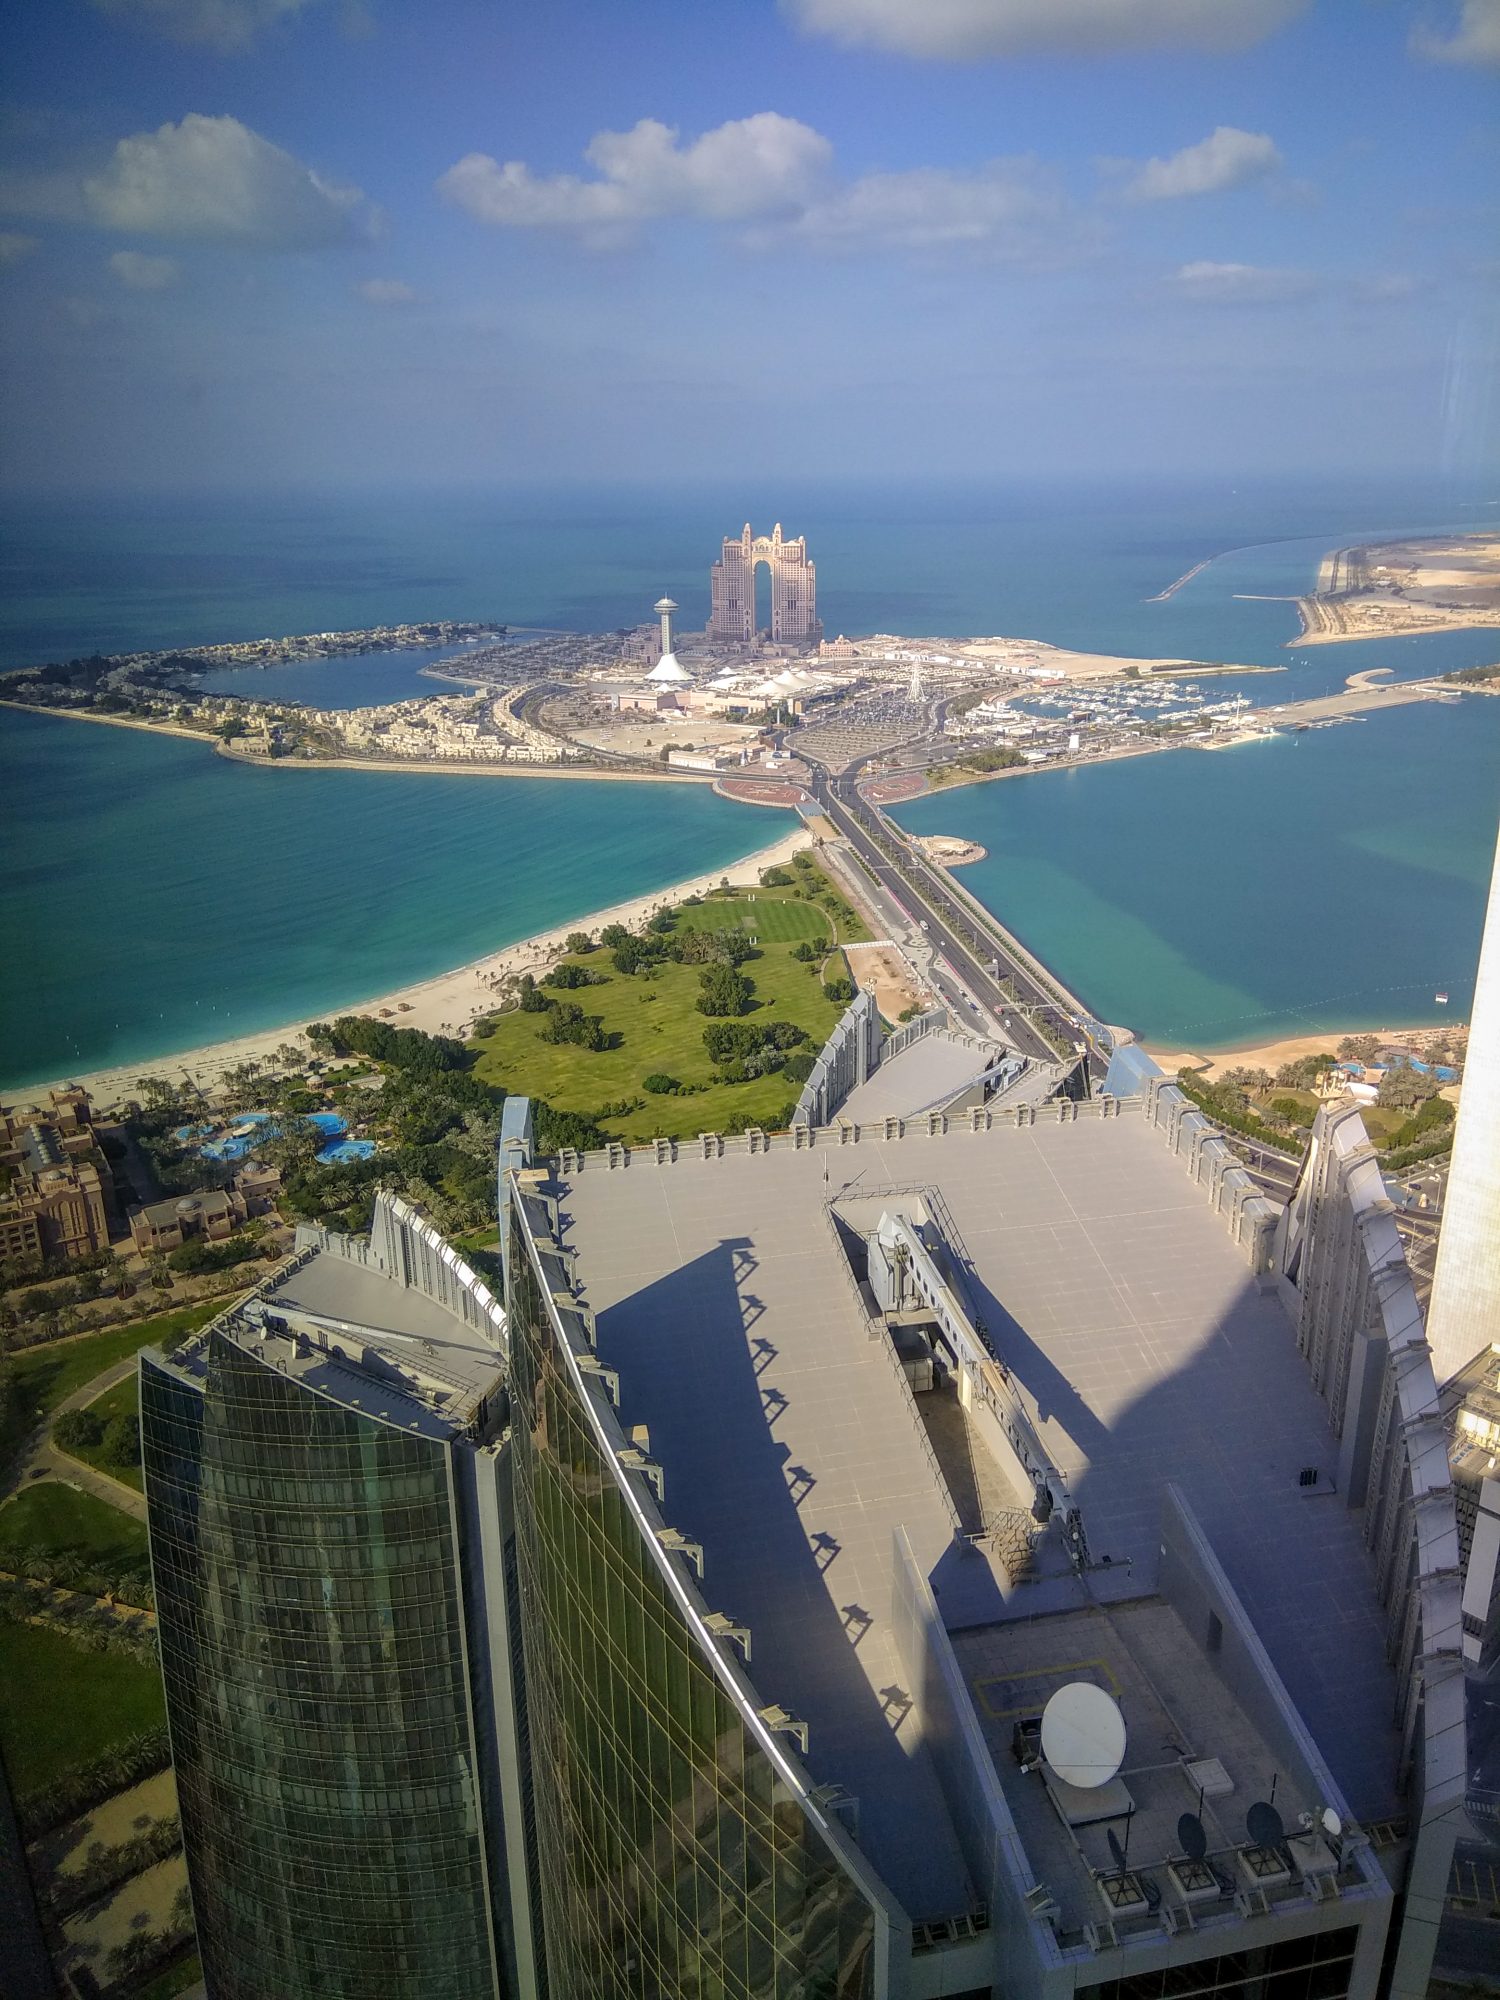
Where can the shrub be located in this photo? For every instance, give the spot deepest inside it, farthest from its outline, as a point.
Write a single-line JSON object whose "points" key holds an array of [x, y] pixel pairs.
{"points": [[568, 975], [1291, 1111], [567, 1022], [121, 1442], [840, 991], [579, 943], [799, 1066], [660, 1085], [612, 935], [195, 1255], [1403, 1088], [533, 1000], [806, 952], [776, 878], [78, 1430], [725, 991]]}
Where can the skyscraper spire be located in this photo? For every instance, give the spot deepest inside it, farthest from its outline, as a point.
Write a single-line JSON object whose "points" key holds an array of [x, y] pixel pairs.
{"points": [[1464, 1315]]}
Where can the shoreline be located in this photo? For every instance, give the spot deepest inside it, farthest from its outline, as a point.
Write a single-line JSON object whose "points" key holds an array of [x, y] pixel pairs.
{"points": [[475, 769], [1208, 1062], [447, 1003], [1312, 610]]}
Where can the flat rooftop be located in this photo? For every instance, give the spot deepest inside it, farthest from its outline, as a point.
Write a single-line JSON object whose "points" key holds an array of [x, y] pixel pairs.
{"points": [[1142, 1349], [364, 1339], [398, 1321], [926, 1074]]}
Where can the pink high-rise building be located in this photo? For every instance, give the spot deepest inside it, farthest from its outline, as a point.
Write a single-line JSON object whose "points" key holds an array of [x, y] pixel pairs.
{"points": [[794, 604]]}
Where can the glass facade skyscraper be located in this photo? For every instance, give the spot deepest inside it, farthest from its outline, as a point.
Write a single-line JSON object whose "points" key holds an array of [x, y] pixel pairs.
{"points": [[675, 1855], [325, 1638], [315, 1659]]}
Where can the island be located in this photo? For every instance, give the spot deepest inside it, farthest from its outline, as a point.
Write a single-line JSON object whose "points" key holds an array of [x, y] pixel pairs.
{"points": [[1387, 590]]}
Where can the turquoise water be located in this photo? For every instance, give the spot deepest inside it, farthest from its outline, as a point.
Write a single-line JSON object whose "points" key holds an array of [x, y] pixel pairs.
{"points": [[358, 680], [157, 897], [1334, 878]]}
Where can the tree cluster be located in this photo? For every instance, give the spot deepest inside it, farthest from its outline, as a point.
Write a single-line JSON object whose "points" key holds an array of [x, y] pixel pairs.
{"points": [[741, 1050], [402, 1048]]}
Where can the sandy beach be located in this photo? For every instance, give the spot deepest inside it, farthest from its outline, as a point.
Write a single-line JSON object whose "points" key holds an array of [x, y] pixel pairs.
{"points": [[448, 1004], [1271, 1055]]}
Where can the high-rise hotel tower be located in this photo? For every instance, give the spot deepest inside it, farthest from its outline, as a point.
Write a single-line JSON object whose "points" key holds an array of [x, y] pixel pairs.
{"points": [[323, 1474]]}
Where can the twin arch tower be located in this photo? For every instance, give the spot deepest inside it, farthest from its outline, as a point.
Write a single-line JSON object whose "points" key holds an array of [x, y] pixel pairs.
{"points": [[794, 597]]}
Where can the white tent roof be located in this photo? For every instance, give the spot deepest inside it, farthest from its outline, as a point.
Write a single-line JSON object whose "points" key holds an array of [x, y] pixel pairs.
{"points": [[669, 668]]}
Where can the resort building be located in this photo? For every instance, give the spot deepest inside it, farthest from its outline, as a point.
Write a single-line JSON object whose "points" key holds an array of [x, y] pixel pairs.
{"points": [[212, 1213], [794, 592], [57, 1193]]}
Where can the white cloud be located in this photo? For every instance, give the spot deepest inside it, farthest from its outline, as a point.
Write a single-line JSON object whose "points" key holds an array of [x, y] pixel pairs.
{"points": [[967, 30], [773, 176], [141, 273], [1240, 284], [14, 246], [1227, 158], [386, 291], [226, 25], [1005, 207], [215, 179], [1474, 39], [748, 169]]}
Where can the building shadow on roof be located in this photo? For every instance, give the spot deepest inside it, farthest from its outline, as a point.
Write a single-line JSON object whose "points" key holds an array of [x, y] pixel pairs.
{"points": [[696, 1368]]}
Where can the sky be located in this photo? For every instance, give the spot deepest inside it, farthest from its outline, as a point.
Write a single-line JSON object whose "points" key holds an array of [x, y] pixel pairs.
{"points": [[365, 243]]}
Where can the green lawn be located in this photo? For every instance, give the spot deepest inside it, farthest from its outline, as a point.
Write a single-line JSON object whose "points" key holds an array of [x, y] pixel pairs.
{"points": [[62, 1706], [49, 1515], [123, 1400], [660, 1030], [46, 1375], [775, 917], [186, 1972]]}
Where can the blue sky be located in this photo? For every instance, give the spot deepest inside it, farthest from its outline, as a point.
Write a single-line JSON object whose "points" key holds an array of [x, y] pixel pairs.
{"points": [[356, 242]]}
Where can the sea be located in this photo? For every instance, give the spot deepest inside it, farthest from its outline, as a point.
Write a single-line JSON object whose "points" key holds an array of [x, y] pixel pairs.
{"points": [[156, 897]]}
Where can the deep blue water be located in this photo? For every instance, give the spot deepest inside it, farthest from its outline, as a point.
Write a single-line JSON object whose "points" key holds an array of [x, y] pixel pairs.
{"points": [[1074, 565], [157, 897]]}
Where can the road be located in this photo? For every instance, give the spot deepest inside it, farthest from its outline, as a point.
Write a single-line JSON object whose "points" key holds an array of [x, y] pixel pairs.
{"points": [[924, 897], [40, 1458]]}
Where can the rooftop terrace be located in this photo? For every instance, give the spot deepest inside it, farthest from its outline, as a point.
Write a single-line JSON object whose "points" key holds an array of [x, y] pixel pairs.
{"points": [[1142, 1350], [395, 1327]]}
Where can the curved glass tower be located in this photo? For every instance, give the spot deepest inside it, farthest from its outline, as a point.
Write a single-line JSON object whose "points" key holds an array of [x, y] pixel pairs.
{"points": [[314, 1469], [678, 1849]]}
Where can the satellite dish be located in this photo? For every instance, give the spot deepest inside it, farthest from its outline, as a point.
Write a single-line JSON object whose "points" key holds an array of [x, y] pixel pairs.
{"points": [[1263, 1823], [1083, 1735], [1333, 1826], [1191, 1838]]}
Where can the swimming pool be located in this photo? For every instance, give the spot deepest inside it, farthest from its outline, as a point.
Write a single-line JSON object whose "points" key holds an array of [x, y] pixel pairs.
{"points": [[238, 1142]]}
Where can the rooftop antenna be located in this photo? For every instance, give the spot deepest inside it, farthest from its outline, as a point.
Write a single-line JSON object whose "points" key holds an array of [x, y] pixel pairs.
{"points": [[1263, 1824], [1083, 1735]]}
